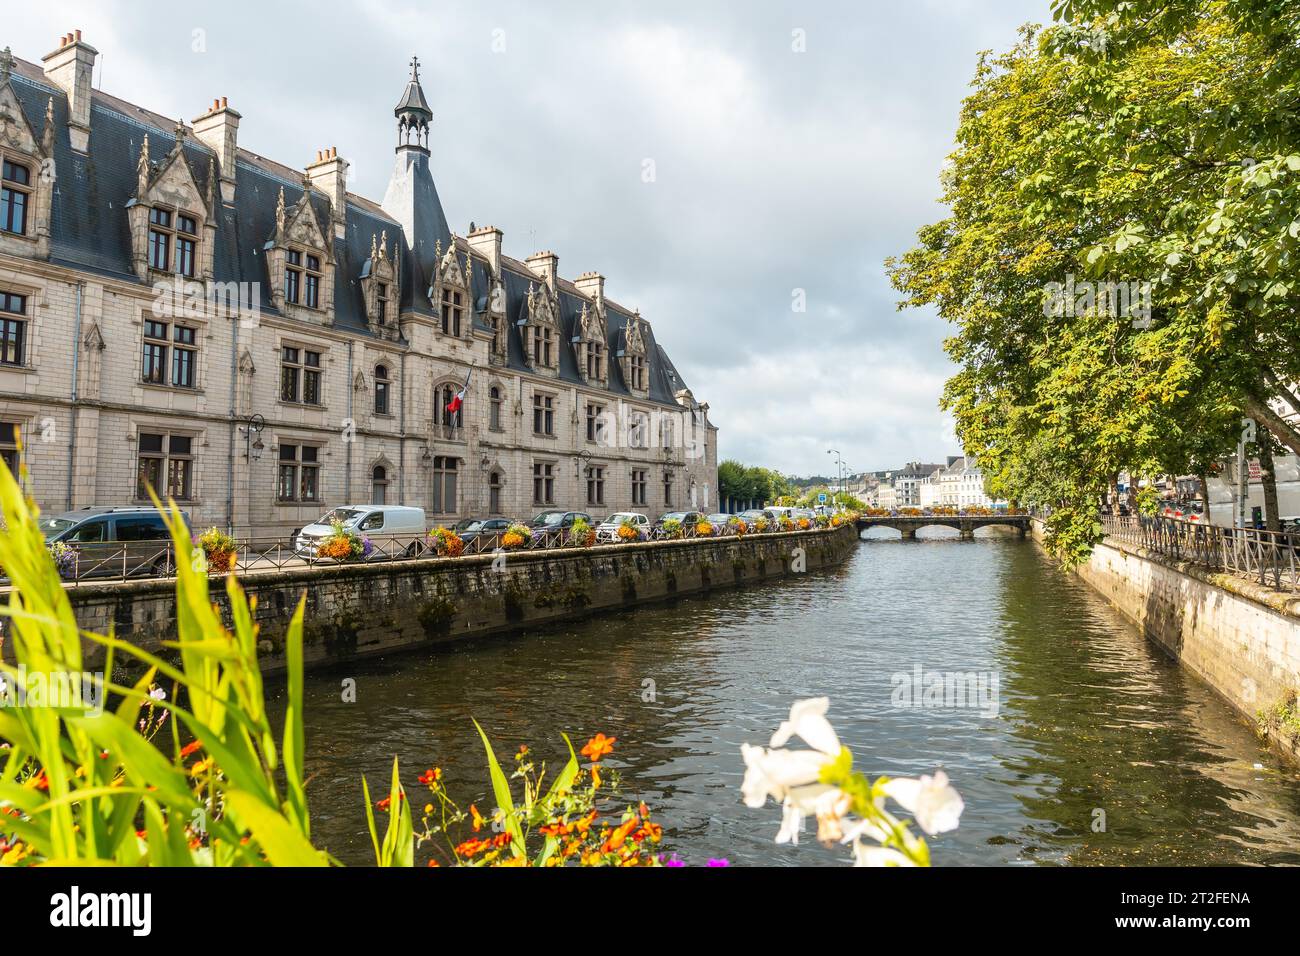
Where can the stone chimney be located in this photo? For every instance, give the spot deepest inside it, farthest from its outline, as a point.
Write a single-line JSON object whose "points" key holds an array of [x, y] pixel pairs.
{"points": [[486, 241], [329, 174], [218, 129], [592, 285], [70, 68], [545, 265]]}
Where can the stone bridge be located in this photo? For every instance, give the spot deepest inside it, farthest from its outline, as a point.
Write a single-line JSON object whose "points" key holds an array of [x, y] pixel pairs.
{"points": [[965, 525]]}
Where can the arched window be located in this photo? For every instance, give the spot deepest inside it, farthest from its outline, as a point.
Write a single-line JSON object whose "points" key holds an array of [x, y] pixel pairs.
{"points": [[449, 412], [494, 493], [494, 396], [379, 485], [381, 389]]}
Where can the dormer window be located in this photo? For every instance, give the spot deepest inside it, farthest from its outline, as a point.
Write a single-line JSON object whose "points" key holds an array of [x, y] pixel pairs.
{"points": [[382, 303], [595, 361], [302, 278], [452, 309], [543, 346], [164, 228], [15, 197], [160, 224]]}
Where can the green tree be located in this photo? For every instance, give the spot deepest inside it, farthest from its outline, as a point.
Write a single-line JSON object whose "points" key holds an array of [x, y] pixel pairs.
{"points": [[1131, 142]]}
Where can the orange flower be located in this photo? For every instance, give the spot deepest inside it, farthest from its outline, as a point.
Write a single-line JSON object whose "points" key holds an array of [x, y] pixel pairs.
{"points": [[585, 823], [190, 748], [618, 837], [430, 776], [477, 817], [652, 831], [556, 829], [501, 839], [384, 804], [599, 746], [523, 752], [472, 847]]}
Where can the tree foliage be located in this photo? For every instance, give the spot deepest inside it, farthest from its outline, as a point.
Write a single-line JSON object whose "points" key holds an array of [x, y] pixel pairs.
{"points": [[1131, 142], [750, 483]]}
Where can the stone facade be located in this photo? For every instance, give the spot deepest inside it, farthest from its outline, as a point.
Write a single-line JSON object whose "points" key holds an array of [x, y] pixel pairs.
{"points": [[294, 346]]}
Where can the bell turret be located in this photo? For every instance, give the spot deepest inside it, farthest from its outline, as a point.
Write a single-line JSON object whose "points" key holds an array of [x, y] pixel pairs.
{"points": [[413, 113]]}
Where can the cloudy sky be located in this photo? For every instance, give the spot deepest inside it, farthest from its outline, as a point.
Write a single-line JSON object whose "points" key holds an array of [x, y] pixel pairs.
{"points": [[715, 162]]}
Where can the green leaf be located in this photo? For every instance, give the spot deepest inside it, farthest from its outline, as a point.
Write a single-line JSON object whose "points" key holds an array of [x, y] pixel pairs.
{"points": [[501, 791], [283, 844]]}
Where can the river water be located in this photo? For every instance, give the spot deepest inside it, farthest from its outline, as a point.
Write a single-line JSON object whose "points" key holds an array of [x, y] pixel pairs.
{"points": [[1096, 750]]}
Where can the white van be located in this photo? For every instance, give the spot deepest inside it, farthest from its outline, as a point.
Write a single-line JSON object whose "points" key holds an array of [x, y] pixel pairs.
{"points": [[394, 529]]}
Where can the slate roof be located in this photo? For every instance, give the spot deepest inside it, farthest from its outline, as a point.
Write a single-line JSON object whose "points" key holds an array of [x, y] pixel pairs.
{"points": [[90, 230]]}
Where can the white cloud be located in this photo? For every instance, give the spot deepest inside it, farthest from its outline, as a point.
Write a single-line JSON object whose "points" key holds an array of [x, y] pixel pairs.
{"points": [[775, 169]]}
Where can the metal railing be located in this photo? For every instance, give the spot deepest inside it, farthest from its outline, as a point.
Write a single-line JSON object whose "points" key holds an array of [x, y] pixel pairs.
{"points": [[1269, 558], [147, 559]]}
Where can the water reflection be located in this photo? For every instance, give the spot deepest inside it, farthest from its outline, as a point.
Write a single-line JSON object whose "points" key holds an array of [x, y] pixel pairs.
{"points": [[1091, 717]]}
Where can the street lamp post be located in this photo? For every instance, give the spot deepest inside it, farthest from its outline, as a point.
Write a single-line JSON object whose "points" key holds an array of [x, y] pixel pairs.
{"points": [[839, 467], [251, 429]]}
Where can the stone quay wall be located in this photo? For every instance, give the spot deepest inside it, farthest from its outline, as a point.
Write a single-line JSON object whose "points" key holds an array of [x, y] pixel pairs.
{"points": [[1241, 639], [363, 610]]}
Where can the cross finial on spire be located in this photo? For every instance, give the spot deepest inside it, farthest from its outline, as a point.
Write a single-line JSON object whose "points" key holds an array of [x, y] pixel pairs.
{"points": [[415, 68]]}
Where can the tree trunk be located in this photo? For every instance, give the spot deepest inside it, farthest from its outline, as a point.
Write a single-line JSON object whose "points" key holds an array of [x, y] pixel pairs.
{"points": [[1205, 495], [1265, 417], [1272, 520]]}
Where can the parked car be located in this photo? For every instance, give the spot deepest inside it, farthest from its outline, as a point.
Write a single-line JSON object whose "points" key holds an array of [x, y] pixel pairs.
{"points": [[113, 541], [719, 521], [473, 528], [557, 520], [394, 528], [607, 530], [689, 519]]}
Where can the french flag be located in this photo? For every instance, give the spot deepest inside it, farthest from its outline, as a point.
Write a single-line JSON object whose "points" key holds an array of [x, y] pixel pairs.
{"points": [[458, 399]]}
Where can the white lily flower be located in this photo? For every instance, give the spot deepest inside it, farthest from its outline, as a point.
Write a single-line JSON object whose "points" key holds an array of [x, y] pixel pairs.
{"points": [[932, 800], [863, 828], [775, 772], [791, 823], [866, 855], [808, 720], [831, 808]]}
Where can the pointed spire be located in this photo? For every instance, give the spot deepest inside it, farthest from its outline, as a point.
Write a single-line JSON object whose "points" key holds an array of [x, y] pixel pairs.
{"points": [[469, 272], [211, 196], [180, 135], [383, 244], [143, 168], [374, 248], [279, 213], [47, 136], [6, 65]]}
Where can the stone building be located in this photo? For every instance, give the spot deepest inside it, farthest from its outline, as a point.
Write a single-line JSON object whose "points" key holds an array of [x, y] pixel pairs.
{"points": [[260, 343]]}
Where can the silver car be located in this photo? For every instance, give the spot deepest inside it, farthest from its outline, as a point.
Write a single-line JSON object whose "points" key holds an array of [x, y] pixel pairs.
{"points": [[607, 530]]}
